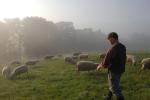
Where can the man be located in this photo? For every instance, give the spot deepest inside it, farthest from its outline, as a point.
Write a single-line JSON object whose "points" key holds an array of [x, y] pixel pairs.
{"points": [[115, 62]]}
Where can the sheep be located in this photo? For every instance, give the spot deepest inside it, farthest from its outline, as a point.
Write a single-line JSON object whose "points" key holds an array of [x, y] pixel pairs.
{"points": [[131, 59], [6, 72], [83, 56], [75, 57], [55, 57], [59, 55], [76, 53], [48, 57], [70, 60], [32, 62], [67, 59], [18, 70], [102, 56], [15, 63], [86, 66], [10, 73], [145, 63]]}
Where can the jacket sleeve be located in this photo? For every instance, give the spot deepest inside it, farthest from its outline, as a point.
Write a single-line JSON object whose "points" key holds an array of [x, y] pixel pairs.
{"points": [[108, 58]]}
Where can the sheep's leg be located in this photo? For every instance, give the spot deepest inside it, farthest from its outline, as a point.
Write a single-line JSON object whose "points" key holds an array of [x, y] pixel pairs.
{"points": [[77, 71]]}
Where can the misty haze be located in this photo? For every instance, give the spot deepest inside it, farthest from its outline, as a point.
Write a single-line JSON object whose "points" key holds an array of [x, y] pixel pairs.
{"points": [[34, 37], [66, 26]]}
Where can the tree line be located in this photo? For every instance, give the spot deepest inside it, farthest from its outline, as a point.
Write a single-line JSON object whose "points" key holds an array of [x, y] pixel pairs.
{"points": [[36, 37]]}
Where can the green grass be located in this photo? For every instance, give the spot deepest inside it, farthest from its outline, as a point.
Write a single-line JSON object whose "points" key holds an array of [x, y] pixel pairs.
{"points": [[57, 80]]}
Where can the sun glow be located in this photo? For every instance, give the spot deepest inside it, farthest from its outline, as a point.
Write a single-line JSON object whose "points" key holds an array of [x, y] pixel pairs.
{"points": [[18, 8]]}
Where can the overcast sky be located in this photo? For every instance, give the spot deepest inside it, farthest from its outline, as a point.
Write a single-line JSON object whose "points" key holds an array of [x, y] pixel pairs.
{"points": [[122, 16]]}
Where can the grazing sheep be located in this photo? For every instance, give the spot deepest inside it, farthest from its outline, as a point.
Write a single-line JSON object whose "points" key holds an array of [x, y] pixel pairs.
{"points": [[9, 73], [32, 62], [75, 57], [59, 55], [102, 56], [70, 60], [83, 56], [73, 62], [145, 63], [15, 63], [48, 57], [86, 65], [131, 59], [19, 70], [6, 71], [76, 53], [67, 59]]}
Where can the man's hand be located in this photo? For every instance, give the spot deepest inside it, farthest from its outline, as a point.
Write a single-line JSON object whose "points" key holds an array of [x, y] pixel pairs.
{"points": [[99, 66]]}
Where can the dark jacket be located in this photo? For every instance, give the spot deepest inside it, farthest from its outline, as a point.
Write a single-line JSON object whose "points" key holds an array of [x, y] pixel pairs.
{"points": [[115, 59]]}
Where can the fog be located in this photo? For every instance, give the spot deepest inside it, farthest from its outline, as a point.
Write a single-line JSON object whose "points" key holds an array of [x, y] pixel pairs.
{"points": [[36, 28], [35, 37]]}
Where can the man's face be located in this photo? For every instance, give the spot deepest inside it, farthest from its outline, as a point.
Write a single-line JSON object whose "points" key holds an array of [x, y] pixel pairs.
{"points": [[112, 41]]}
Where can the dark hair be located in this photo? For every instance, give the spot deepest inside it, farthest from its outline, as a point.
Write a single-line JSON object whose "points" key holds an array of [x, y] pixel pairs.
{"points": [[113, 35]]}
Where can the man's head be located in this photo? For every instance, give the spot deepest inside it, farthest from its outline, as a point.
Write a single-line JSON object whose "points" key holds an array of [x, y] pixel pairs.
{"points": [[113, 38]]}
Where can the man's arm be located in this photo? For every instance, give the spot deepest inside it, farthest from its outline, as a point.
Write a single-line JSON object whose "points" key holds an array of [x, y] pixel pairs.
{"points": [[107, 60]]}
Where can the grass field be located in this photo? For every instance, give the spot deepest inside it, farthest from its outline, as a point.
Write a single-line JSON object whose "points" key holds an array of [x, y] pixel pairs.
{"points": [[57, 80]]}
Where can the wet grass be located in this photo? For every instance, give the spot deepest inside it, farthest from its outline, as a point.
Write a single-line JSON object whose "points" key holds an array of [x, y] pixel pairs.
{"points": [[57, 80]]}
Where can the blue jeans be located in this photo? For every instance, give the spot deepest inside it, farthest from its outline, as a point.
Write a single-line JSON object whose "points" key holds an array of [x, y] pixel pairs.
{"points": [[114, 83]]}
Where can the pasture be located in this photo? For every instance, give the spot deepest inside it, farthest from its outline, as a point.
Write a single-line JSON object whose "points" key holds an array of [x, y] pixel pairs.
{"points": [[55, 79]]}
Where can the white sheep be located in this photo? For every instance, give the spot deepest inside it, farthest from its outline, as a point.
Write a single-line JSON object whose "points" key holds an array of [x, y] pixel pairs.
{"points": [[86, 65], [145, 63], [19, 70], [32, 62], [67, 59], [132, 59], [83, 56], [70, 60], [10, 73], [76, 53], [48, 57], [75, 57], [15, 63]]}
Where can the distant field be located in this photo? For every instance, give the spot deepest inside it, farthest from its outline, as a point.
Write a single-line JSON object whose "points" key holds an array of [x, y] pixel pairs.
{"points": [[57, 80]]}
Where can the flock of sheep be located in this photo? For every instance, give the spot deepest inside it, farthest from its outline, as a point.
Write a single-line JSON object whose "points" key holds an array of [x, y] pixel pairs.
{"points": [[134, 60], [80, 60], [10, 72], [83, 64]]}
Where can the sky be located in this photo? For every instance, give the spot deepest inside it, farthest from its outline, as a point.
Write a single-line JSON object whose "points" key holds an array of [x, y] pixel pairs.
{"points": [[123, 16]]}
